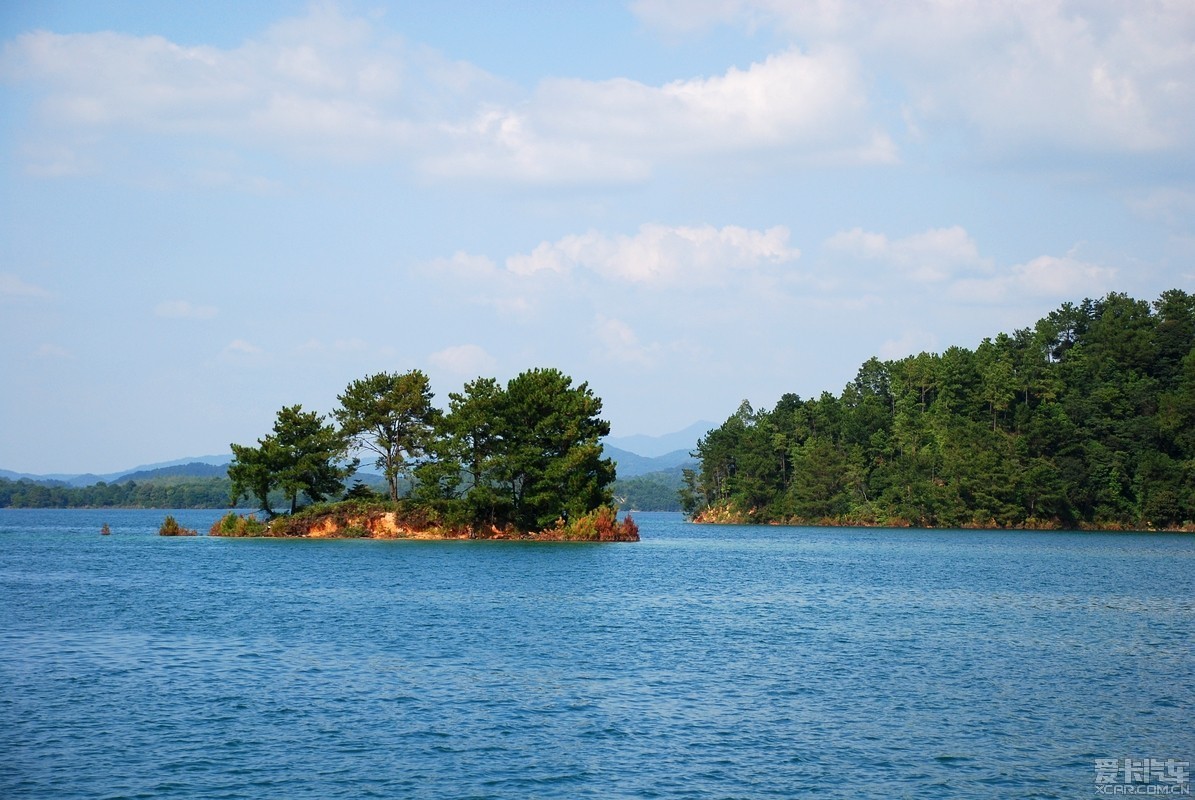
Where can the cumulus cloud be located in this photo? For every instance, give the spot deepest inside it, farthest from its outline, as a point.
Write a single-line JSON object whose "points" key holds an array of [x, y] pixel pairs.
{"points": [[927, 257], [182, 309], [325, 84], [465, 359], [1112, 77], [809, 106], [334, 86], [662, 255], [13, 286], [488, 283], [909, 342], [240, 347], [1025, 78], [1047, 277], [950, 260], [617, 341]]}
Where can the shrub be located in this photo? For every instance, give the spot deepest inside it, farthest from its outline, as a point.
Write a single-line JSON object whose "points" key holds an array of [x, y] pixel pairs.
{"points": [[170, 527], [600, 525], [233, 524]]}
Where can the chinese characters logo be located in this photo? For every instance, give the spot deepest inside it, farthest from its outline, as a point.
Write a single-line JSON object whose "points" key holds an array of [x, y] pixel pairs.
{"points": [[1147, 776]]}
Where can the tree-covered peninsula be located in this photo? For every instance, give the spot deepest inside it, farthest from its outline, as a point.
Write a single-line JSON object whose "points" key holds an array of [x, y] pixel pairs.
{"points": [[1085, 420], [518, 460], [158, 492]]}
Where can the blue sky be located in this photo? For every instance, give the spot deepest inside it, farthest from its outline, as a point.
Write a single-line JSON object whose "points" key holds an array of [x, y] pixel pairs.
{"points": [[211, 210]]}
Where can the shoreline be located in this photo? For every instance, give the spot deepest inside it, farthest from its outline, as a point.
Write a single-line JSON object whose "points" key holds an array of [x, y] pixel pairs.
{"points": [[723, 516], [382, 523]]}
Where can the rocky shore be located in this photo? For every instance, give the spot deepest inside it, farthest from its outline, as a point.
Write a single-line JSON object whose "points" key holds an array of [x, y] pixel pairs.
{"points": [[354, 522]]}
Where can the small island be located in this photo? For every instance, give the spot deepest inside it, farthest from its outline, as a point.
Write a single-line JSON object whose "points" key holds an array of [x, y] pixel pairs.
{"points": [[517, 461], [371, 520]]}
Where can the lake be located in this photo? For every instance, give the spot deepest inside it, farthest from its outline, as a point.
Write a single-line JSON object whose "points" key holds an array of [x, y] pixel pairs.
{"points": [[702, 662]]}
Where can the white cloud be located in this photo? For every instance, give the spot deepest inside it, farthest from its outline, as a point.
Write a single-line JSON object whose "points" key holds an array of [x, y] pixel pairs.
{"points": [[1110, 77], [54, 351], [811, 107], [240, 347], [1025, 78], [333, 86], [618, 342], [466, 359], [182, 309], [54, 160], [324, 84], [662, 255], [950, 259], [12, 286], [464, 265], [1168, 205], [910, 342], [224, 178], [928, 257], [489, 284], [315, 346], [1050, 277]]}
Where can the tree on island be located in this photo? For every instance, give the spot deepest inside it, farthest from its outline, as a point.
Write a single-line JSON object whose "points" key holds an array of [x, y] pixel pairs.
{"points": [[251, 474], [303, 456], [529, 453], [392, 416], [550, 462], [521, 455]]}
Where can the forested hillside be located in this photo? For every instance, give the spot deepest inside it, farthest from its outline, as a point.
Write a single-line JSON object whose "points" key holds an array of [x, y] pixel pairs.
{"points": [[177, 492], [1085, 420]]}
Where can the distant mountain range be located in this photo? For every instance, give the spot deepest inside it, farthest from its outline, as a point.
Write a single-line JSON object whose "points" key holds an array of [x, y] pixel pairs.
{"points": [[632, 465], [634, 456], [195, 466], [666, 445]]}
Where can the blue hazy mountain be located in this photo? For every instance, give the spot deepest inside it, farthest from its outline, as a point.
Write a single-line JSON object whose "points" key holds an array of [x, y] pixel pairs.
{"points": [[634, 455], [631, 465], [195, 466], [665, 445]]}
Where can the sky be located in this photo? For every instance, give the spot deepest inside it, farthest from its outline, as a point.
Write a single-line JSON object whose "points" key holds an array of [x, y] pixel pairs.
{"points": [[211, 210]]}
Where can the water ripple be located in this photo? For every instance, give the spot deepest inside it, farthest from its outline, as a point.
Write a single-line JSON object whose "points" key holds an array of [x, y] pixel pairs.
{"points": [[704, 662]]}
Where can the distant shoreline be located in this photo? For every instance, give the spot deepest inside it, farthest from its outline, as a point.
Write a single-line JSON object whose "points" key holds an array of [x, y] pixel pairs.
{"points": [[726, 517]]}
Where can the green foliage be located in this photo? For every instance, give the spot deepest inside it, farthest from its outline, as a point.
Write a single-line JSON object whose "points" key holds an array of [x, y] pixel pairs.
{"points": [[1086, 419], [522, 455], [172, 492], [511, 458], [360, 491], [251, 473], [303, 456], [655, 491], [170, 527], [392, 417], [352, 518], [599, 525], [233, 524]]}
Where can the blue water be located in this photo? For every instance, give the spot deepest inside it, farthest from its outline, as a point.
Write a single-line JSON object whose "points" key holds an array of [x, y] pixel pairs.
{"points": [[702, 662]]}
